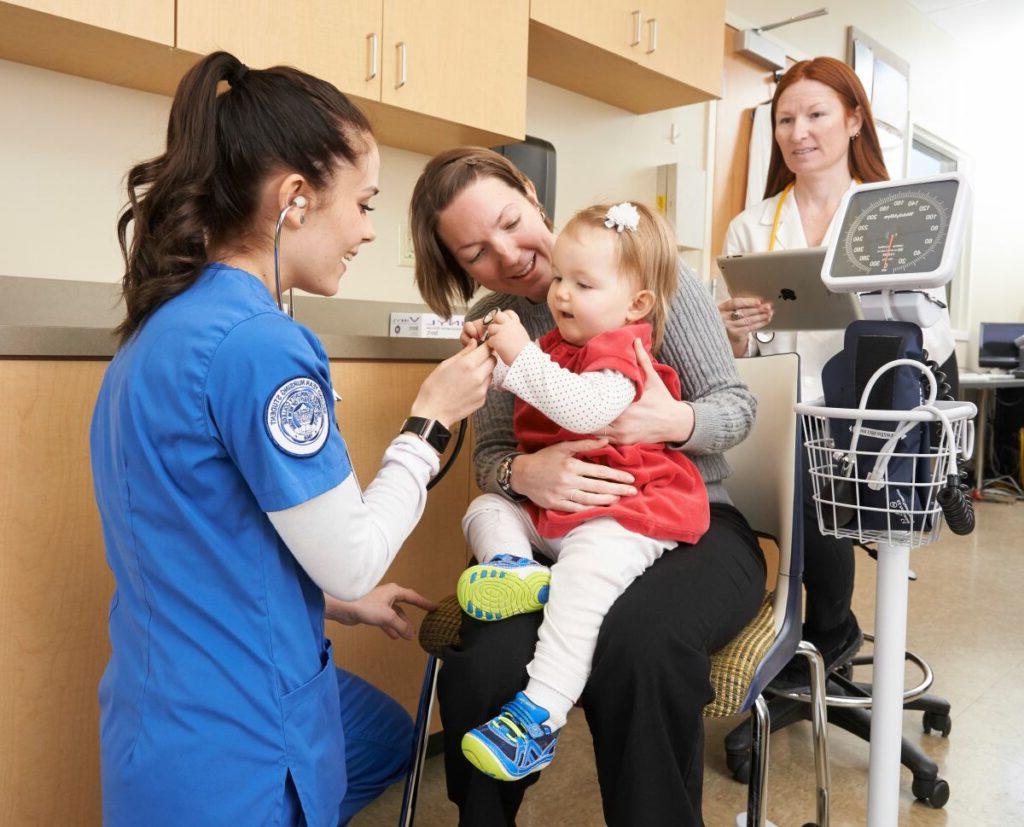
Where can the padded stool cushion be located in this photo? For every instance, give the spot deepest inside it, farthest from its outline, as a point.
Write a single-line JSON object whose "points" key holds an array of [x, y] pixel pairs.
{"points": [[440, 628], [733, 667]]}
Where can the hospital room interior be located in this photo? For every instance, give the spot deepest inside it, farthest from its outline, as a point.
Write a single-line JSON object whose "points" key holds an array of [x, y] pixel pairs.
{"points": [[884, 460]]}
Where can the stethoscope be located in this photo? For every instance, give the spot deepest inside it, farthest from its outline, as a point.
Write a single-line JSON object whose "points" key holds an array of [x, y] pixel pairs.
{"points": [[300, 202]]}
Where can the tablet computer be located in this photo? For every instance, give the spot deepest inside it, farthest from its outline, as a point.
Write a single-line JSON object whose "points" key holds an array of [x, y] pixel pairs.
{"points": [[791, 281]]}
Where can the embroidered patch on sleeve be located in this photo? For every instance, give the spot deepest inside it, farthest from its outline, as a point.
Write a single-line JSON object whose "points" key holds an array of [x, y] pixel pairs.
{"points": [[297, 417]]}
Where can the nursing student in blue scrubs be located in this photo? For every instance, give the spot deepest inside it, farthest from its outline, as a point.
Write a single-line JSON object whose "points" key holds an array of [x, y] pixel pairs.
{"points": [[232, 518]]}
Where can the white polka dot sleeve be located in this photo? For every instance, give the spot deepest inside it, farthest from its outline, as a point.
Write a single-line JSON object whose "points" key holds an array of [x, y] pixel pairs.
{"points": [[579, 402]]}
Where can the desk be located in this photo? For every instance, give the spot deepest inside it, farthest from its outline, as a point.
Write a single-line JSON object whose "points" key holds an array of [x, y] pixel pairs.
{"points": [[985, 383]]}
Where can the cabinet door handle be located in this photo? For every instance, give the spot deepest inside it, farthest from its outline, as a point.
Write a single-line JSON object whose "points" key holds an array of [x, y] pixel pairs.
{"points": [[402, 65], [652, 29], [637, 25], [371, 69]]}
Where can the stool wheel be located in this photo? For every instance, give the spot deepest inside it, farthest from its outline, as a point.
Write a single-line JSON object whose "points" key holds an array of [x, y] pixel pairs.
{"points": [[932, 791], [739, 766], [937, 721]]}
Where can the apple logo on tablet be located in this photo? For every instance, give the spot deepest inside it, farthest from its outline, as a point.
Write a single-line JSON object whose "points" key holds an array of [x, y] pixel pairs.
{"points": [[787, 295]]}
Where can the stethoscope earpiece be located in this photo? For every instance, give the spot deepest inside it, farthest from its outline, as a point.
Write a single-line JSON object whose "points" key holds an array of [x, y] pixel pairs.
{"points": [[300, 202]]}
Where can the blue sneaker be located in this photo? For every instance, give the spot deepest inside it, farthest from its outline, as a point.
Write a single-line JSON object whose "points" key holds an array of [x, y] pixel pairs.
{"points": [[514, 743], [506, 586]]}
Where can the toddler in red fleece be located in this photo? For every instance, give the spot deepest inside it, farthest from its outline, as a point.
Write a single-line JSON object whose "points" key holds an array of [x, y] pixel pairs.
{"points": [[615, 274]]}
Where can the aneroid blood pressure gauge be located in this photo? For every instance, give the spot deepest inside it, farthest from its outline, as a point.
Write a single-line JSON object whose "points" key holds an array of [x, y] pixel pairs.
{"points": [[898, 235]]}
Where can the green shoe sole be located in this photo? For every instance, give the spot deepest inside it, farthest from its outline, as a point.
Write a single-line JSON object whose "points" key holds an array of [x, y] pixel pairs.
{"points": [[483, 759], [494, 593]]}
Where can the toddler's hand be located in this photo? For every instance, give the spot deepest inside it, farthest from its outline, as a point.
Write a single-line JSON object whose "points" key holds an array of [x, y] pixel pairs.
{"points": [[471, 332], [507, 336]]}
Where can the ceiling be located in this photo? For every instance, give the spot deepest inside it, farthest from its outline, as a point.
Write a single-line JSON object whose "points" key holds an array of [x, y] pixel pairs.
{"points": [[973, 22]]}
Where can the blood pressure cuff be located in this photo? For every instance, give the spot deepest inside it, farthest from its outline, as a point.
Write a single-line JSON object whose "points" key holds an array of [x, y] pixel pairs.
{"points": [[867, 346]]}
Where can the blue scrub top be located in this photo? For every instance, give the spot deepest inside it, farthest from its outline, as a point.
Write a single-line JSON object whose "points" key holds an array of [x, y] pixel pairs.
{"points": [[221, 680]]}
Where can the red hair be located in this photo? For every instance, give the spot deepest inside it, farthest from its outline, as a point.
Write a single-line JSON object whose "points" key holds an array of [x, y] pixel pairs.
{"points": [[865, 155]]}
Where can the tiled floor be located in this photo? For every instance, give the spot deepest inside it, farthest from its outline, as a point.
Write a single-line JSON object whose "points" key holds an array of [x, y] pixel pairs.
{"points": [[966, 617]]}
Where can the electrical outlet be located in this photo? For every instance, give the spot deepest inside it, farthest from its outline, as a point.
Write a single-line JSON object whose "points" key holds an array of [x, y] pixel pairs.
{"points": [[406, 256]]}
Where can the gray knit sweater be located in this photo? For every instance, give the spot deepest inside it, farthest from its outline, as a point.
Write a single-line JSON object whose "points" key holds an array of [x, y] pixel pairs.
{"points": [[695, 345]]}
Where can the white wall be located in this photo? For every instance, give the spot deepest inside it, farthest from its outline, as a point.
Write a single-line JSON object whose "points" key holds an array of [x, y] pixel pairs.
{"points": [[68, 142], [992, 123], [931, 51]]}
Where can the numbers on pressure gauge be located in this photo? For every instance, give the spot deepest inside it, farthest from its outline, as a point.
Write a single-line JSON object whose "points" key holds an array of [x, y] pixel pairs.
{"points": [[897, 232]]}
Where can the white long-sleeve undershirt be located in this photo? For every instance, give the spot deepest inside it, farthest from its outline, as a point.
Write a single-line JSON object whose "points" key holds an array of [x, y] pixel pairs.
{"points": [[345, 539], [579, 402]]}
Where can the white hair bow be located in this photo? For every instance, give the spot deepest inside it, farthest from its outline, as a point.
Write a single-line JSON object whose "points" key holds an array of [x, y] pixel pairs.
{"points": [[621, 217]]}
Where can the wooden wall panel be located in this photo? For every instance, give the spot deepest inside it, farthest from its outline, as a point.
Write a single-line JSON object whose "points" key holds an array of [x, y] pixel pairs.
{"points": [[744, 86], [55, 586], [376, 400], [55, 590]]}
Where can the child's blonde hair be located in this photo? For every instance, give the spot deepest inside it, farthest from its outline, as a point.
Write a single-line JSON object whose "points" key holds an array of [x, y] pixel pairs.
{"points": [[647, 255]]}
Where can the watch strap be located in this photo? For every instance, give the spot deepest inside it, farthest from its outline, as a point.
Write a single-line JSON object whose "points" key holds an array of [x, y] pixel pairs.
{"points": [[430, 431]]}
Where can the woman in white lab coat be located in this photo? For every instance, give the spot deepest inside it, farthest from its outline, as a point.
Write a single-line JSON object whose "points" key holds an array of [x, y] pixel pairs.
{"points": [[823, 142]]}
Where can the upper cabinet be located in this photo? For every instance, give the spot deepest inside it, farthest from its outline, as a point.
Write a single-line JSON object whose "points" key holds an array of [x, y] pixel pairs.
{"points": [[339, 42], [610, 25], [641, 56], [462, 61], [124, 42], [147, 19], [430, 75]]}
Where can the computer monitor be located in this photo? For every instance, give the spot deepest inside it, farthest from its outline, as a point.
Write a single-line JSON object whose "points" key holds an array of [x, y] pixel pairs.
{"points": [[995, 346]]}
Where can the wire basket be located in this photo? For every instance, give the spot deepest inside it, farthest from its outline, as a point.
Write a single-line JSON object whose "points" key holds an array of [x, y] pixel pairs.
{"points": [[883, 487]]}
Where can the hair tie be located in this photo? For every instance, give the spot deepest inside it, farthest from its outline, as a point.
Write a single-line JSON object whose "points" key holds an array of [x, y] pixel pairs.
{"points": [[238, 75], [621, 217]]}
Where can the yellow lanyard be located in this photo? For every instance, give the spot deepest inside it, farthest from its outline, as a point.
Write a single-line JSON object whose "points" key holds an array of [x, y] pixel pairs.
{"points": [[778, 213]]}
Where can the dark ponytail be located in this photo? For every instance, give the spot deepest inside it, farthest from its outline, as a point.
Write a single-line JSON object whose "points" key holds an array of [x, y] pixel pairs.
{"points": [[204, 189]]}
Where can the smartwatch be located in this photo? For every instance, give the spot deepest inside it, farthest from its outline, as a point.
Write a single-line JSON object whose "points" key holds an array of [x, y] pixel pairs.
{"points": [[429, 430], [504, 477]]}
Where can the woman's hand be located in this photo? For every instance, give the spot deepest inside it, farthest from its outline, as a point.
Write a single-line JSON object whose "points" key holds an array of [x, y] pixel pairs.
{"points": [[380, 608], [472, 332], [457, 386], [553, 478], [743, 316], [656, 416], [507, 336]]}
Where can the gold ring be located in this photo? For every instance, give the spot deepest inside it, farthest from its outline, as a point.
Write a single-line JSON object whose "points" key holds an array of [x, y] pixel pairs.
{"points": [[736, 315]]}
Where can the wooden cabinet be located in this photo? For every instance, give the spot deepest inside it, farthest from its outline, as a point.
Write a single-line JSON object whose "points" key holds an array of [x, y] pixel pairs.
{"points": [[462, 61], [676, 41], [430, 75], [643, 56], [115, 41], [612, 25], [334, 41], [148, 19]]}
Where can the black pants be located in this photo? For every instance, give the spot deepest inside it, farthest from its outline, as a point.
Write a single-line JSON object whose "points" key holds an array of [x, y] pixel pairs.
{"points": [[829, 564], [648, 685]]}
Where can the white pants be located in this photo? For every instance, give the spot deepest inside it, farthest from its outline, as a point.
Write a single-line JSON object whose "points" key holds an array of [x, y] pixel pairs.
{"points": [[594, 564]]}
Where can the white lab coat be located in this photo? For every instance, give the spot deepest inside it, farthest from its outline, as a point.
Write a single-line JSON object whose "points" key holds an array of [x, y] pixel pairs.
{"points": [[750, 232]]}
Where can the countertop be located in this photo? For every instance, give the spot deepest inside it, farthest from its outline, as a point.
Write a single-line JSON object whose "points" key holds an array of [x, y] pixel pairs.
{"points": [[59, 318]]}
